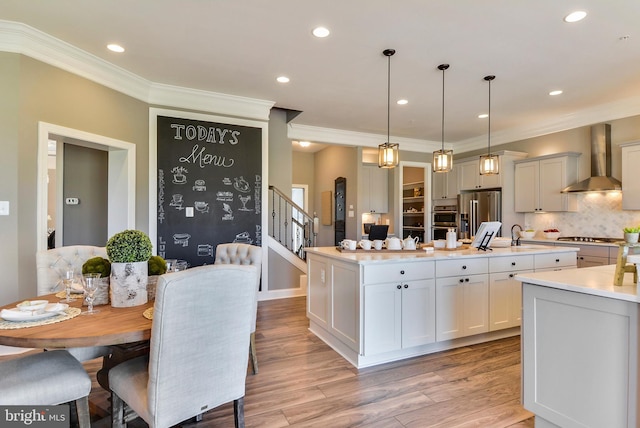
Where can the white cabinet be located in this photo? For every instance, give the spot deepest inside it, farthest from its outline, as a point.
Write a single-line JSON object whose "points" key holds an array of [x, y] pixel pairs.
{"points": [[505, 292], [462, 298], [630, 176], [592, 255], [469, 178], [317, 290], [375, 189], [399, 306], [398, 315], [539, 182], [554, 261], [444, 185]]}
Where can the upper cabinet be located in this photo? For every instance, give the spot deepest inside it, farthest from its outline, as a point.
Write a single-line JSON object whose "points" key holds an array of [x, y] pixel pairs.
{"points": [[630, 176], [444, 185], [539, 183], [375, 189], [469, 178]]}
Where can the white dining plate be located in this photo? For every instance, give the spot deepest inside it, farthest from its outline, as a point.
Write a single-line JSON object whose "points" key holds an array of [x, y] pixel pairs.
{"points": [[15, 314]]}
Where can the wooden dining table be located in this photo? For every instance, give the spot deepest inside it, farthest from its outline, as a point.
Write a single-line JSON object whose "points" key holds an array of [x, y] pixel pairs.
{"points": [[126, 330]]}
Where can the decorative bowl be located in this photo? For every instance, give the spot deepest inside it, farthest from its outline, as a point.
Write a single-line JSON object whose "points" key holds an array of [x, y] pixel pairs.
{"points": [[527, 234], [439, 243], [552, 235], [33, 305]]}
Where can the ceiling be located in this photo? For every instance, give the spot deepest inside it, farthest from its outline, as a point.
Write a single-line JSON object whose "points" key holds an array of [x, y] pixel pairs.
{"points": [[340, 82]]}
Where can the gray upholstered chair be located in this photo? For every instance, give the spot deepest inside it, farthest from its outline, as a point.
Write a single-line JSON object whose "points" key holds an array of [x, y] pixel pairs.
{"points": [[46, 379], [244, 254], [198, 357], [50, 268]]}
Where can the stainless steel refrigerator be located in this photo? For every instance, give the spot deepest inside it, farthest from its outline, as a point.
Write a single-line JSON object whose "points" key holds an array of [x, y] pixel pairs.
{"points": [[476, 207]]}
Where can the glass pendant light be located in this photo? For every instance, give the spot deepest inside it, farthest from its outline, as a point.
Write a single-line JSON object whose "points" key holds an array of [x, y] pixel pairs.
{"points": [[442, 159], [489, 164], [387, 152]]}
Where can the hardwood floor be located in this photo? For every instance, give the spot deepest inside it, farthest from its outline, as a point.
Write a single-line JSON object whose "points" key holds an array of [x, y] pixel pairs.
{"points": [[304, 383]]}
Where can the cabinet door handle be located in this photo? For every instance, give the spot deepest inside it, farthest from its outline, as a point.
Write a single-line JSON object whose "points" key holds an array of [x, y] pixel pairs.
{"points": [[557, 260], [461, 280], [401, 272], [464, 267], [466, 280], [406, 286], [399, 287], [513, 263], [511, 275]]}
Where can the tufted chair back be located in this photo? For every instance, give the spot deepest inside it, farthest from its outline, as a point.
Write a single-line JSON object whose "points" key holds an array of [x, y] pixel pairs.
{"points": [[51, 264], [244, 254]]}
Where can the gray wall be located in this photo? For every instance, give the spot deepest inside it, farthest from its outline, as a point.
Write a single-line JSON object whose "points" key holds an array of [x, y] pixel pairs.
{"points": [[303, 172], [279, 152]]}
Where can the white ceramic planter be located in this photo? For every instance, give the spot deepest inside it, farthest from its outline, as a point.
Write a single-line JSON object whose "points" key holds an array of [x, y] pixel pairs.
{"points": [[631, 238], [129, 284]]}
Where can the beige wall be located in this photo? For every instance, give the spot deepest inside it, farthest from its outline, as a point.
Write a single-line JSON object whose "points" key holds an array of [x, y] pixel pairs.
{"points": [[331, 163], [303, 172], [31, 92]]}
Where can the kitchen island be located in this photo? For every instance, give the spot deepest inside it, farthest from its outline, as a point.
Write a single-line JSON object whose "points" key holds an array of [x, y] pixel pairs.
{"points": [[374, 307], [580, 348]]}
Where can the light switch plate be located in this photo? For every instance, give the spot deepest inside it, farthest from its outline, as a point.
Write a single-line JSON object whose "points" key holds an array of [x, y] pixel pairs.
{"points": [[72, 201], [4, 207]]}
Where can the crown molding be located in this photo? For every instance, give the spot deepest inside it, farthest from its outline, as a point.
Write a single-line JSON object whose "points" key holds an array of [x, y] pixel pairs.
{"points": [[22, 39], [353, 138], [602, 113]]}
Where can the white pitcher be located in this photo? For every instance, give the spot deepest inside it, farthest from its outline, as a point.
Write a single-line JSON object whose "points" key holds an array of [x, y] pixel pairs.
{"points": [[410, 243]]}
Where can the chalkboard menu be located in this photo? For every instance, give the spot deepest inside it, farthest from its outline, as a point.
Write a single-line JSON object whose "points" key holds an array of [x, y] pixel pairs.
{"points": [[209, 187]]}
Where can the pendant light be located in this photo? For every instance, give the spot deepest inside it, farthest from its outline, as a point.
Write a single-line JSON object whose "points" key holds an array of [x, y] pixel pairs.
{"points": [[489, 164], [387, 152], [442, 159]]}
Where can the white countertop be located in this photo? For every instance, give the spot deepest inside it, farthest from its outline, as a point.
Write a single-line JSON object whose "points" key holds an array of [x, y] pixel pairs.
{"points": [[373, 256], [596, 281]]}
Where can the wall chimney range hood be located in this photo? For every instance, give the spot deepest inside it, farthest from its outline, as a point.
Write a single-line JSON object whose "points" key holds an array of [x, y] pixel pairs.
{"points": [[600, 180]]}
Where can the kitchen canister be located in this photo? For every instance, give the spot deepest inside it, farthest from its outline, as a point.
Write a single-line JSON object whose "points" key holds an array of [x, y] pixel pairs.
{"points": [[451, 238]]}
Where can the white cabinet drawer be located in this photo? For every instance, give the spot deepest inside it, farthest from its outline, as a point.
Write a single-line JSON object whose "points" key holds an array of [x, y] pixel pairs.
{"points": [[446, 268], [510, 263], [551, 260], [394, 272]]}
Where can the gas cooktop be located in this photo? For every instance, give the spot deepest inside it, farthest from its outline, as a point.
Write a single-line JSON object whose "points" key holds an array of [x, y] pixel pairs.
{"points": [[590, 239]]}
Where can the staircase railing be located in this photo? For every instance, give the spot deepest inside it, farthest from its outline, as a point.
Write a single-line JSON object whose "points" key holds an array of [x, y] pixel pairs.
{"points": [[290, 225]]}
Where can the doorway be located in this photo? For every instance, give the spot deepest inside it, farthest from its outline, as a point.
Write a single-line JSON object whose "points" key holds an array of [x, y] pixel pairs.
{"points": [[120, 187]]}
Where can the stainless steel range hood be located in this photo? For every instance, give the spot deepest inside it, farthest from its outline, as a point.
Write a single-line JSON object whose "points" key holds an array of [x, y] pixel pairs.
{"points": [[600, 180]]}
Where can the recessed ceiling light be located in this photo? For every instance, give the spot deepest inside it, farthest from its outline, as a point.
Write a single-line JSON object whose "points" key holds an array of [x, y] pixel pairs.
{"points": [[402, 102], [576, 16], [283, 79], [483, 116], [321, 32], [304, 143], [115, 48], [556, 92]]}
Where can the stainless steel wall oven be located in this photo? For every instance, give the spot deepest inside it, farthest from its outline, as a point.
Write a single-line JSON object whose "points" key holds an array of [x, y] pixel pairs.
{"points": [[444, 218]]}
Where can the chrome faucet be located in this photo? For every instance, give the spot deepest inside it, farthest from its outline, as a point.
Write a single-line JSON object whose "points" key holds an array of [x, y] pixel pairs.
{"points": [[515, 241]]}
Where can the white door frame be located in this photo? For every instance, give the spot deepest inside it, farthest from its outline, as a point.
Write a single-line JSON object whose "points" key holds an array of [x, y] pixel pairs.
{"points": [[121, 181]]}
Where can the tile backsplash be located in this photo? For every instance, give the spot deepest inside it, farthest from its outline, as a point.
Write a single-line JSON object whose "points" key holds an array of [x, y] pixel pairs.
{"points": [[598, 215]]}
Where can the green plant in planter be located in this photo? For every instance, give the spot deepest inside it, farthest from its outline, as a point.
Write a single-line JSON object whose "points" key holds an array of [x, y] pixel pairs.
{"points": [[632, 229], [97, 265], [157, 265], [129, 246]]}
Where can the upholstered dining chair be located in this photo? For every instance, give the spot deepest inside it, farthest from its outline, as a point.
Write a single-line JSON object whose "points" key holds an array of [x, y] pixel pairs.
{"points": [[50, 268], [244, 254], [46, 379], [198, 357]]}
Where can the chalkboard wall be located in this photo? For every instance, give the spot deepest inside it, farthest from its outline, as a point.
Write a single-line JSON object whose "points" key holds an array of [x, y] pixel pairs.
{"points": [[209, 187]]}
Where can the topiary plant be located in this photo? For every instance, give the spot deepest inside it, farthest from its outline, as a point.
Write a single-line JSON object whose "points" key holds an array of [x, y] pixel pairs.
{"points": [[129, 246], [157, 265], [97, 265]]}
